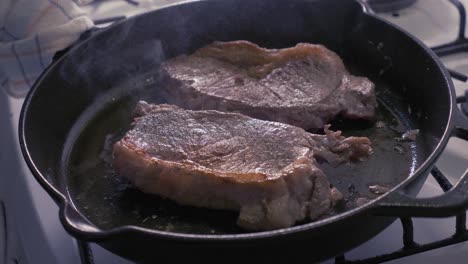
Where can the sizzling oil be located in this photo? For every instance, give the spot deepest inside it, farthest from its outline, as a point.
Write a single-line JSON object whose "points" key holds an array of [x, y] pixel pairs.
{"points": [[109, 201]]}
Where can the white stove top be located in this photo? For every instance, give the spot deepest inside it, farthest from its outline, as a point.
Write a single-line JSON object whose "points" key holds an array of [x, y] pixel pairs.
{"points": [[35, 234]]}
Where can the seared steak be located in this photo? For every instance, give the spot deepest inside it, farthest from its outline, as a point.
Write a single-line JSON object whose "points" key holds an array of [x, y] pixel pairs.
{"points": [[306, 85], [265, 170]]}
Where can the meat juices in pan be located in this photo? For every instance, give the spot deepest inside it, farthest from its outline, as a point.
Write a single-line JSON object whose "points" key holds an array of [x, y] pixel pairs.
{"points": [[265, 170], [305, 86]]}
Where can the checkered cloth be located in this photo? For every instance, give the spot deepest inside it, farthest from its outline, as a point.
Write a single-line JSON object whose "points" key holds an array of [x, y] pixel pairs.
{"points": [[31, 31]]}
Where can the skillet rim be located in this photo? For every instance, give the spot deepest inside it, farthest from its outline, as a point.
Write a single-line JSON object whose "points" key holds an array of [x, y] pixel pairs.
{"points": [[85, 229]]}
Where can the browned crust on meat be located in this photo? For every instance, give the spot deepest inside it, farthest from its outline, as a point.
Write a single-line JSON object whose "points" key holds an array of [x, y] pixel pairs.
{"points": [[350, 96], [295, 189], [261, 61], [191, 167], [263, 203]]}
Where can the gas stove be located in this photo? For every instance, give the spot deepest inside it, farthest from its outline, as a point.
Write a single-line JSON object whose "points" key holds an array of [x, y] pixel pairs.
{"points": [[30, 231]]}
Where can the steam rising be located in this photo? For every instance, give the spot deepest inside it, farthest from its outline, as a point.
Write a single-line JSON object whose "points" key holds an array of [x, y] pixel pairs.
{"points": [[110, 58], [136, 47]]}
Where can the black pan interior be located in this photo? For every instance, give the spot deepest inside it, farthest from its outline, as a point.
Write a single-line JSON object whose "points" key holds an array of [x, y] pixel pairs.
{"points": [[86, 100], [109, 201]]}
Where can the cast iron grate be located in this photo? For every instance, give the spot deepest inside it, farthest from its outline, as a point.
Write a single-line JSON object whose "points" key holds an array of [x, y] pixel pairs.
{"points": [[461, 43], [410, 247], [86, 254]]}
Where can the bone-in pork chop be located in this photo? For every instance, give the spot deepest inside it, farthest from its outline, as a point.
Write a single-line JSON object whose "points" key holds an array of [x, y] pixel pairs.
{"points": [[265, 170], [306, 85]]}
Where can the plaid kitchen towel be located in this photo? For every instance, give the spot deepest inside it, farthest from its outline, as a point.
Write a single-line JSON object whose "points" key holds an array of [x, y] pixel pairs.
{"points": [[31, 31]]}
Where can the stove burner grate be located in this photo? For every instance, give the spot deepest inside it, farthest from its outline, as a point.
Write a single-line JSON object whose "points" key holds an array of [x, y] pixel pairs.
{"points": [[461, 43], [410, 247]]}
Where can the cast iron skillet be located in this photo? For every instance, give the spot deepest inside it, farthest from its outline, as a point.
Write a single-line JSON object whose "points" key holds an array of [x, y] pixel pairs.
{"points": [[81, 105]]}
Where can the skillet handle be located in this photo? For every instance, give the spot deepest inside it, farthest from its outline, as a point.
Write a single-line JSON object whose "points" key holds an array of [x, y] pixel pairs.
{"points": [[450, 203], [76, 224]]}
